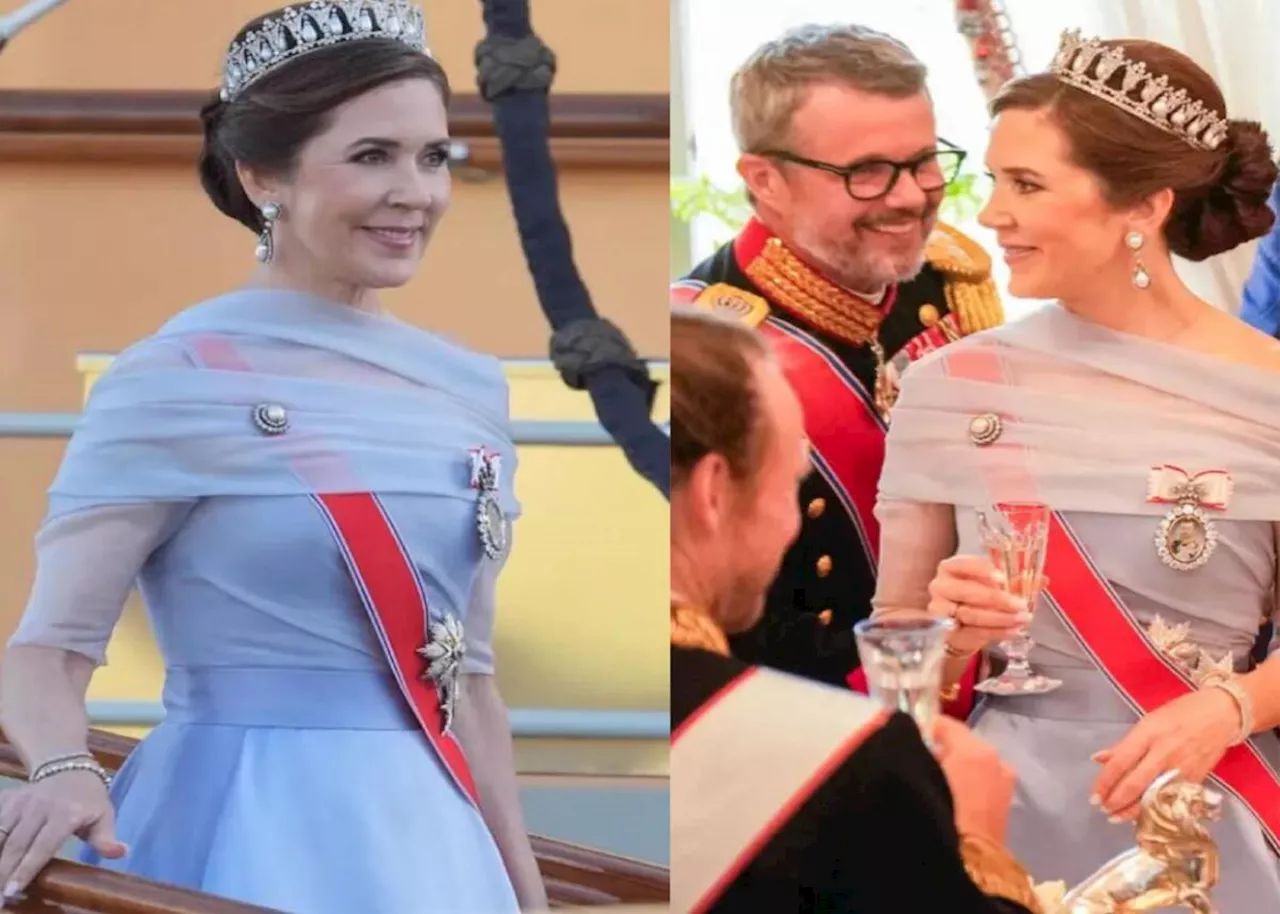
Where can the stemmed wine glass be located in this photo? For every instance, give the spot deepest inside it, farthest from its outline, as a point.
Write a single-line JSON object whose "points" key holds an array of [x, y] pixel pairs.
{"points": [[1016, 537]]}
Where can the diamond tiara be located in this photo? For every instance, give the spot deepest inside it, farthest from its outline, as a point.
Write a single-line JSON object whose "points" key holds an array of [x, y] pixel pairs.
{"points": [[298, 30], [1090, 66]]}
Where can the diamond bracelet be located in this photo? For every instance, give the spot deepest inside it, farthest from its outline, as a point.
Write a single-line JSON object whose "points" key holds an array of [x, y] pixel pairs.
{"points": [[1243, 704], [70, 763]]}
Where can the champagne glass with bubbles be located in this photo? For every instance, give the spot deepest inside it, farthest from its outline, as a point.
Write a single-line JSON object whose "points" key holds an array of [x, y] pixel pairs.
{"points": [[1015, 536]]}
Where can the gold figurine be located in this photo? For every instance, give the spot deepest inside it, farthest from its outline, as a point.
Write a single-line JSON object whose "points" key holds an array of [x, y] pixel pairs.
{"points": [[1175, 863]]}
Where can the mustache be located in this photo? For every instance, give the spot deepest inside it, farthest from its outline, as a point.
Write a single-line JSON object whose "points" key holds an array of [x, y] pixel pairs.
{"points": [[898, 217]]}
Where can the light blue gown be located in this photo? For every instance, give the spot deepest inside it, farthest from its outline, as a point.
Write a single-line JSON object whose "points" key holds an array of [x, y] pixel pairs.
{"points": [[1088, 412], [288, 771]]}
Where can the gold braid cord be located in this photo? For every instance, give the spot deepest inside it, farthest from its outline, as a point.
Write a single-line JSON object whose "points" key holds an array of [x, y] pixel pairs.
{"points": [[966, 268], [693, 628], [791, 283], [994, 870], [971, 292]]}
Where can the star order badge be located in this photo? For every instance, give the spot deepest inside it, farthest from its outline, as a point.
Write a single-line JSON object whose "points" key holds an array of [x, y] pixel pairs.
{"points": [[491, 520], [444, 650], [1174, 641]]}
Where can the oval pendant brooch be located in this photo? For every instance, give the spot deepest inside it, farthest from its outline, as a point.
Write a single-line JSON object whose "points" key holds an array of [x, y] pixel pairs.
{"points": [[1187, 536], [491, 520]]}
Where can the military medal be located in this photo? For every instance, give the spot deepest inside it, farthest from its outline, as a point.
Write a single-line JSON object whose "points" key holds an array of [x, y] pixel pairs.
{"points": [[443, 652], [886, 391], [1187, 536], [491, 521]]}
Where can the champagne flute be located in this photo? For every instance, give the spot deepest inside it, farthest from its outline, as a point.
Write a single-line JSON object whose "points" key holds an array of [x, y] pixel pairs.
{"points": [[1016, 536]]}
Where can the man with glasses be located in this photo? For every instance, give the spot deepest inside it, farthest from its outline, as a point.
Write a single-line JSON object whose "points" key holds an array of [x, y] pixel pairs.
{"points": [[846, 271]]}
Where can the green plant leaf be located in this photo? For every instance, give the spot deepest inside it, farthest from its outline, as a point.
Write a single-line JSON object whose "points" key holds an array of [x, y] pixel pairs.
{"points": [[692, 197]]}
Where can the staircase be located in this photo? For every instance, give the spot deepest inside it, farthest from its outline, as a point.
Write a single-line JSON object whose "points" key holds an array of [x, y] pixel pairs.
{"points": [[575, 876]]}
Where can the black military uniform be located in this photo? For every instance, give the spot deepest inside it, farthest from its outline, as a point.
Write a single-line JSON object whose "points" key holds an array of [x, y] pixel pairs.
{"points": [[827, 578], [874, 831]]}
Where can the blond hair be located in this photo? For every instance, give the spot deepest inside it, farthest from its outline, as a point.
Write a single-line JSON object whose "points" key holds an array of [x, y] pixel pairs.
{"points": [[770, 85]]}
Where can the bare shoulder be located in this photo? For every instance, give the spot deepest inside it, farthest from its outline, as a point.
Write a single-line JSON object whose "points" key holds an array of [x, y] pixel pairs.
{"points": [[1252, 347]]}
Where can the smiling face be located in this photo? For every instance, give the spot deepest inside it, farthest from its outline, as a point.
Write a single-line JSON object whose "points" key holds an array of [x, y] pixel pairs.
{"points": [[863, 245], [364, 195], [1057, 230]]}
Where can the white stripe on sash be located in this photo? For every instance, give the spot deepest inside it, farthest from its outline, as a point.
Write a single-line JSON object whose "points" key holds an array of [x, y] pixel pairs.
{"points": [[745, 764]]}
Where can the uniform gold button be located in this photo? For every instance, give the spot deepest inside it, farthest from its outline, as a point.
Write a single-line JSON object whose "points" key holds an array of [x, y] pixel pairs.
{"points": [[824, 566], [928, 315], [816, 507], [825, 617]]}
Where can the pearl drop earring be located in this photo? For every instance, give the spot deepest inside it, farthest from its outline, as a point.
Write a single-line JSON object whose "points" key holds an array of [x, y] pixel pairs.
{"points": [[1141, 278], [266, 241]]}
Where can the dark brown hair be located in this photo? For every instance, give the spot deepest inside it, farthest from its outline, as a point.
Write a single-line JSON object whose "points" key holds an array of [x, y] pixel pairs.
{"points": [[268, 122], [715, 408], [1220, 195]]}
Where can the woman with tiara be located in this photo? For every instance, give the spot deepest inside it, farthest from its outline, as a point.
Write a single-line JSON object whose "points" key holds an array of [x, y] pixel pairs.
{"points": [[314, 499], [1148, 421]]}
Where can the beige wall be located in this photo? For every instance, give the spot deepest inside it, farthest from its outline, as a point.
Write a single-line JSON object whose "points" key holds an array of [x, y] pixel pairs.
{"points": [[606, 46], [94, 255]]}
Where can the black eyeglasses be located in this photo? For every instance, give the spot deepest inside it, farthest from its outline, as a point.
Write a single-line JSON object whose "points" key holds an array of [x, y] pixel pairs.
{"points": [[871, 179]]}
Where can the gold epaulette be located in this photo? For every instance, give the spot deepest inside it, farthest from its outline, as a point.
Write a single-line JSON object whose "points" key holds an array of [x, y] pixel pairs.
{"points": [[996, 872], [966, 270], [739, 304], [954, 253]]}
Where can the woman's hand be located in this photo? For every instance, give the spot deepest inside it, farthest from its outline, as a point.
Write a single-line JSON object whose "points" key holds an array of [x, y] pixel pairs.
{"points": [[37, 819], [971, 591], [1190, 734]]}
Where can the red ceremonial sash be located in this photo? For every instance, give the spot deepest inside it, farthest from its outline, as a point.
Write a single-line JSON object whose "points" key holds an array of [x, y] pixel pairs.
{"points": [[1090, 607], [731, 792], [846, 434], [387, 582]]}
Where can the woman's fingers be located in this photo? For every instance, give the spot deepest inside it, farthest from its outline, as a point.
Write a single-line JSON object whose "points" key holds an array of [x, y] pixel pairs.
{"points": [[975, 615], [44, 846], [971, 568], [975, 593], [22, 832]]}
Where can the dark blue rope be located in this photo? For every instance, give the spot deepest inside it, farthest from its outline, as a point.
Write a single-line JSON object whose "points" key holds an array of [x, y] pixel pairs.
{"points": [[515, 72]]}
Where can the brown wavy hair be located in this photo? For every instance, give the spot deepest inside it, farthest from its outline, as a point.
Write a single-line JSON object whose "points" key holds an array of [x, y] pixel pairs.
{"points": [[1220, 195], [715, 408], [268, 123]]}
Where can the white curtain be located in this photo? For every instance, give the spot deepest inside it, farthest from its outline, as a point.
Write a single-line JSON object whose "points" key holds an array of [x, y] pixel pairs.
{"points": [[1236, 41]]}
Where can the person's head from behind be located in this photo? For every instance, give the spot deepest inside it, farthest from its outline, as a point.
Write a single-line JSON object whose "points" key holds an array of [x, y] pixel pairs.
{"points": [[346, 144], [822, 115], [1078, 177], [738, 453]]}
